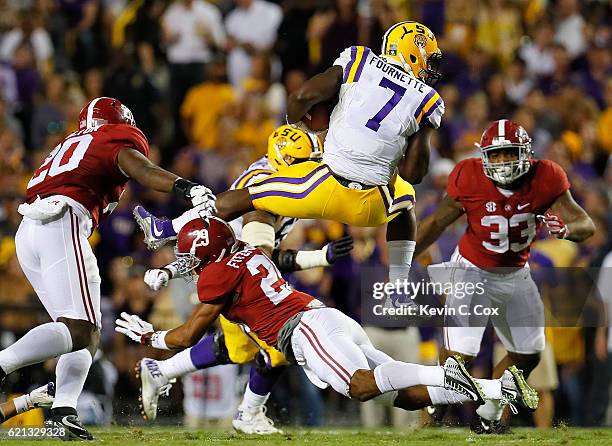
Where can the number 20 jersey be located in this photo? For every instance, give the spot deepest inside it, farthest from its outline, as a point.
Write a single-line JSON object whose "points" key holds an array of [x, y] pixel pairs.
{"points": [[501, 228], [84, 167], [379, 108], [260, 298]]}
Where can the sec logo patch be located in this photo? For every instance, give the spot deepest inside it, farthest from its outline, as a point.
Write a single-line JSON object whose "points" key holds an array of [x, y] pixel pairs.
{"points": [[491, 206]]}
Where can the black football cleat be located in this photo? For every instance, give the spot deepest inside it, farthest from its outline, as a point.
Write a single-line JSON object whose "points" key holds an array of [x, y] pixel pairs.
{"points": [[2, 375], [482, 426], [436, 414], [66, 418]]}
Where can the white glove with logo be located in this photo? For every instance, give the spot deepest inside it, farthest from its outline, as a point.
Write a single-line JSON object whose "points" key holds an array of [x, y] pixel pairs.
{"points": [[134, 328], [156, 278], [202, 198]]}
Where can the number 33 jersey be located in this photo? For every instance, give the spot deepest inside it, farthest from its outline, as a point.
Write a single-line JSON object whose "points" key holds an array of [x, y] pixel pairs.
{"points": [[84, 167], [379, 108], [259, 297], [502, 224]]}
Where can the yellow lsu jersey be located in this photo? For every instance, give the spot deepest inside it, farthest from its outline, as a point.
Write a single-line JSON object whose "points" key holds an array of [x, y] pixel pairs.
{"points": [[380, 106]]}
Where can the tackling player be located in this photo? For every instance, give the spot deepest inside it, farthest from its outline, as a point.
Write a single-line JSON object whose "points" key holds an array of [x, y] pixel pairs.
{"points": [[80, 181], [241, 282], [506, 195], [377, 142], [286, 146]]}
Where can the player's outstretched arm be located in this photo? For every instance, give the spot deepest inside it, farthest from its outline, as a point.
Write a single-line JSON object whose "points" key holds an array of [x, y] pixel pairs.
{"points": [[181, 337], [317, 89], [568, 219], [414, 165], [433, 226]]}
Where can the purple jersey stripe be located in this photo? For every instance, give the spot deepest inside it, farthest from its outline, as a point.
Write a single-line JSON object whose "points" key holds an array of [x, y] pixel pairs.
{"points": [[366, 52], [290, 180], [347, 70], [433, 107], [294, 195], [425, 100]]}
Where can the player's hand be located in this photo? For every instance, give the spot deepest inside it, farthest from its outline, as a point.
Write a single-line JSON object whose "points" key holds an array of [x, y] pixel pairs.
{"points": [[338, 248], [555, 225], [156, 278], [134, 328], [202, 198]]}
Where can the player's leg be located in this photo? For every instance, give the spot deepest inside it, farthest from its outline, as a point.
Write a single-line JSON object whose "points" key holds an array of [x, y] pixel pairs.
{"points": [[327, 346], [40, 397]]}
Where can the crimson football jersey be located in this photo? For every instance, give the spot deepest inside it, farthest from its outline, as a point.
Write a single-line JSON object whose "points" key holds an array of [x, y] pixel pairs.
{"points": [[84, 167], [501, 228], [261, 298]]}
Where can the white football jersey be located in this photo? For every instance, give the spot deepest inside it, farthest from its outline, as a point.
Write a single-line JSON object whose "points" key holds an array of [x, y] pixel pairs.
{"points": [[380, 106], [258, 171]]}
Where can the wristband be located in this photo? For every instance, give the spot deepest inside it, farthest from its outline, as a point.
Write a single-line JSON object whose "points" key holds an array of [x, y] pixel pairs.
{"points": [[172, 269], [182, 187], [158, 340], [285, 259]]}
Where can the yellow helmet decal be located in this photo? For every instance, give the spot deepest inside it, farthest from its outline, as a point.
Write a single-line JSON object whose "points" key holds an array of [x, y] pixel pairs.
{"points": [[288, 145]]}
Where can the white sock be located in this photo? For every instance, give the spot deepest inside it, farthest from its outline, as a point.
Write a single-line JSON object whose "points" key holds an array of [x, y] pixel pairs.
{"points": [[491, 410], [177, 366], [252, 400], [43, 342], [70, 374], [185, 218], [440, 395], [396, 375], [400, 258], [491, 388]]}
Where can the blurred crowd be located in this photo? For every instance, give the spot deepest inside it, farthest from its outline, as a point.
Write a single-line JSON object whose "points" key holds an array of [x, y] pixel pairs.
{"points": [[208, 81]]}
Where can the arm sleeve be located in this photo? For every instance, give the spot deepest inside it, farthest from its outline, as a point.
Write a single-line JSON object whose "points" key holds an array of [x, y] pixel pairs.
{"points": [[128, 136], [453, 188], [434, 116], [346, 58], [217, 280]]}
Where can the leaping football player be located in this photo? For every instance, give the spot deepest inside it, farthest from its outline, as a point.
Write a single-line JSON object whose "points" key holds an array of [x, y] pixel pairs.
{"points": [[286, 146], [506, 195], [376, 144], [80, 181], [241, 283]]}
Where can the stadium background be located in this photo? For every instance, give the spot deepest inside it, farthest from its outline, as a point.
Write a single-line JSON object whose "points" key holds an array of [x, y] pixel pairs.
{"points": [[207, 102]]}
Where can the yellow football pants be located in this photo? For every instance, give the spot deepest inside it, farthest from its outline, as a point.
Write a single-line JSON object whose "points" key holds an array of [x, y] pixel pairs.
{"points": [[243, 348], [309, 190]]}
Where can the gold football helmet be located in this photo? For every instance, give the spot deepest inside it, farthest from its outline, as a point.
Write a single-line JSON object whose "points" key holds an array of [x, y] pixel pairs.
{"points": [[288, 145], [414, 47]]}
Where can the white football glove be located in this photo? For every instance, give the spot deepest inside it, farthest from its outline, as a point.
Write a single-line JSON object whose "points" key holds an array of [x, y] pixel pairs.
{"points": [[156, 278], [203, 198], [134, 328], [555, 225]]}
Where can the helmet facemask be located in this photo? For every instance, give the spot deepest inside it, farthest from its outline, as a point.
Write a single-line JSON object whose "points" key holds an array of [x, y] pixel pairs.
{"points": [[431, 75], [508, 171], [186, 263]]}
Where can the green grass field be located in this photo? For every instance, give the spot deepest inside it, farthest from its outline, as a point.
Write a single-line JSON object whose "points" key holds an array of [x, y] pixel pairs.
{"points": [[163, 436]]}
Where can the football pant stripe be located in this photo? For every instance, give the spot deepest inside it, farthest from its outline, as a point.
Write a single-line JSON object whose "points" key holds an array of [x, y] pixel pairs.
{"points": [[290, 180], [314, 335], [287, 193], [76, 258], [325, 360], [244, 179], [93, 313]]}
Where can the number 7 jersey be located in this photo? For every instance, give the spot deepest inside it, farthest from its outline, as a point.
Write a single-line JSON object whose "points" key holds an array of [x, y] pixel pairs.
{"points": [[502, 224], [379, 107], [84, 167]]}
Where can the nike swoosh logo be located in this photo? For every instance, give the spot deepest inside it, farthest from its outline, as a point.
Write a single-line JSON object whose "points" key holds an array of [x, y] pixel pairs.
{"points": [[67, 422], [522, 206], [155, 232]]}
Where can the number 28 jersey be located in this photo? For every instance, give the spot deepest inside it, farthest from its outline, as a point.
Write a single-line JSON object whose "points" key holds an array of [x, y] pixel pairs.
{"points": [[501, 227], [260, 298], [84, 167], [379, 108]]}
